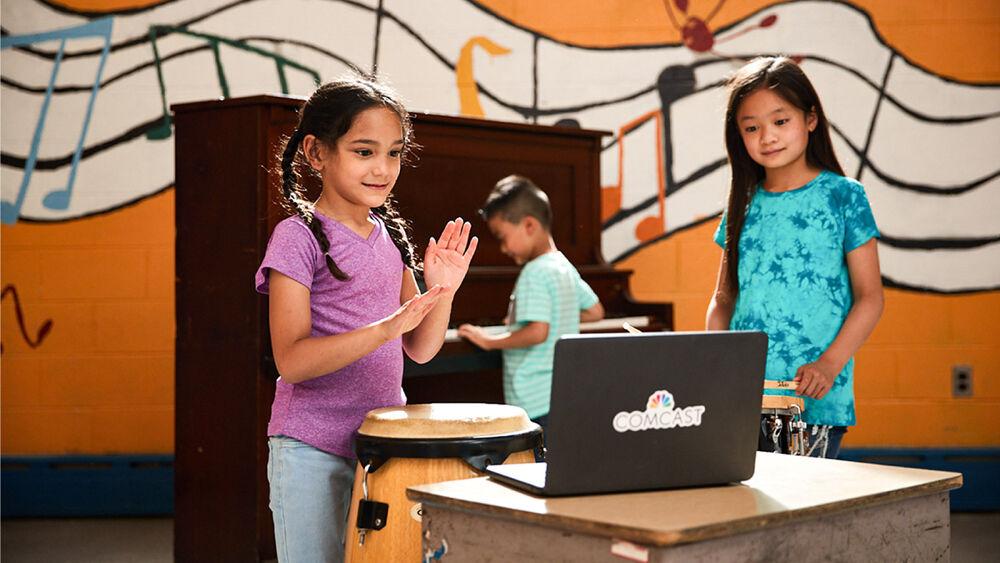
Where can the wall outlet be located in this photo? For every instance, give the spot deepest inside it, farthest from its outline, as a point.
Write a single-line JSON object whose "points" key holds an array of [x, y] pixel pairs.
{"points": [[961, 381]]}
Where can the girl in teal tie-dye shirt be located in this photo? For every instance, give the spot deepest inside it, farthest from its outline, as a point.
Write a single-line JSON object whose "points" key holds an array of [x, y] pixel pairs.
{"points": [[800, 260]]}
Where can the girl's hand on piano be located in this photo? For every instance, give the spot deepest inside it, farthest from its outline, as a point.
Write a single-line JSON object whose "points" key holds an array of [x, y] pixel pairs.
{"points": [[447, 259], [475, 335]]}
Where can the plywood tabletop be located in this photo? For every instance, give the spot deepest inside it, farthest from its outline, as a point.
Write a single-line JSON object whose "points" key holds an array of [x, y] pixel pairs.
{"points": [[783, 488]]}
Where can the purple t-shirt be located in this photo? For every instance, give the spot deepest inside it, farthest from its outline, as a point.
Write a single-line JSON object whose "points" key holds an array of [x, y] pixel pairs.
{"points": [[326, 411]]}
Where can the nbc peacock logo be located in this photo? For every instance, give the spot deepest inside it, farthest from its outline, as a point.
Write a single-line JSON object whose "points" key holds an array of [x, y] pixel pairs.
{"points": [[661, 399], [661, 414]]}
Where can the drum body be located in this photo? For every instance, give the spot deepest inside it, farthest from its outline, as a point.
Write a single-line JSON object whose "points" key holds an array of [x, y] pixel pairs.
{"points": [[782, 429], [418, 444]]}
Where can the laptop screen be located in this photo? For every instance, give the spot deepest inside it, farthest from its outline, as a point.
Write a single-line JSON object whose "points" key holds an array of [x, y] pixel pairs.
{"points": [[654, 410]]}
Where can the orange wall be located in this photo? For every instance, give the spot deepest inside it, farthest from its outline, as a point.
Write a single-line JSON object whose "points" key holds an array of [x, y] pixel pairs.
{"points": [[102, 380]]}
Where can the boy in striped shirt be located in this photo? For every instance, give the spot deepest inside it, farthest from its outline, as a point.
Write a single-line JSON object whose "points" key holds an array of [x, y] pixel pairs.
{"points": [[550, 298]]}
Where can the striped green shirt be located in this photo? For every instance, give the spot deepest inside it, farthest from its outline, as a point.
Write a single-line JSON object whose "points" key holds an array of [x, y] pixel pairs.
{"points": [[548, 290]]}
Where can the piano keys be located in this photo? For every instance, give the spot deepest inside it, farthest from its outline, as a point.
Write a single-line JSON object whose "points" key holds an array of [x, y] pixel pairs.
{"points": [[603, 325]]}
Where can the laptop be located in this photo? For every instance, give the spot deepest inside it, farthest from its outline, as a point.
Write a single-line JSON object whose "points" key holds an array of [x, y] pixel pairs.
{"points": [[648, 411]]}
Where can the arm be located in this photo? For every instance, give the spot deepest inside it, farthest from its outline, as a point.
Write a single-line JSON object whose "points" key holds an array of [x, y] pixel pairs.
{"points": [[300, 357], [720, 308], [816, 379], [445, 264], [530, 334], [594, 313], [585, 294]]}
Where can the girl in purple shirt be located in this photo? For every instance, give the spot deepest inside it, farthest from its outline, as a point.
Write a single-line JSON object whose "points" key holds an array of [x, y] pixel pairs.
{"points": [[344, 305]]}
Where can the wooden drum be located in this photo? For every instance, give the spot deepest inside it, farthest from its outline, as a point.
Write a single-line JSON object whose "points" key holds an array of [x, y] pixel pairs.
{"points": [[417, 444], [782, 429]]}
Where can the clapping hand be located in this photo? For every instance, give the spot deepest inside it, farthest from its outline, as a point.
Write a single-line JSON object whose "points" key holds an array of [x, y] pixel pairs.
{"points": [[447, 259], [411, 314]]}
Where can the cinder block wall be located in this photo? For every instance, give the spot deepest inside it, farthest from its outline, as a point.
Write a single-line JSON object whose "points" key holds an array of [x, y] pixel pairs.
{"points": [[102, 380]]}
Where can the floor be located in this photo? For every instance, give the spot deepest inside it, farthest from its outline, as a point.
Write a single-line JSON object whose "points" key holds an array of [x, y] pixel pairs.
{"points": [[975, 537]]}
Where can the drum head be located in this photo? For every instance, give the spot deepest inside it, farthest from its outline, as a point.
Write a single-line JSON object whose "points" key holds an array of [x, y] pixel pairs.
{"points": [[480, 433], [446, 420]]}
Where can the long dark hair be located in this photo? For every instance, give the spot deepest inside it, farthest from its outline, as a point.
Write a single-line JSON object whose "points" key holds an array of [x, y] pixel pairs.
{"points": [[786, 79], [328, 115]]}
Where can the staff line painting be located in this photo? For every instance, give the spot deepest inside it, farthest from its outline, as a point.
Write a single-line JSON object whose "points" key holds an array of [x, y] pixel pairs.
{"points": [[564, 110], [380, 12], [473, 3], [148, 126], [697, 66], [164, 130], [156, 62], [528, 110]]}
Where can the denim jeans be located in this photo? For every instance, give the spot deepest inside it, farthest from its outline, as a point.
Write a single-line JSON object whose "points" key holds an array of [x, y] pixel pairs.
{"points": [[834, 437], [310, 499]]}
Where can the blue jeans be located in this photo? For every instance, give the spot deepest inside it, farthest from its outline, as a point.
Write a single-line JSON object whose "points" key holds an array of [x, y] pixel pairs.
{"points": [[834, 437], [310, 499]]}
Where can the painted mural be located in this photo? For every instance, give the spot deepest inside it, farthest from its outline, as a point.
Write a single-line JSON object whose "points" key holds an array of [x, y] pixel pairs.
{"points": [[83, 99], [87, 131]]}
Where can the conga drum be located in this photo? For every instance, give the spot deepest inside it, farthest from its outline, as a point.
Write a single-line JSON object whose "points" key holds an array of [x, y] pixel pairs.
{"points": [[781, 425], [399, 447]]}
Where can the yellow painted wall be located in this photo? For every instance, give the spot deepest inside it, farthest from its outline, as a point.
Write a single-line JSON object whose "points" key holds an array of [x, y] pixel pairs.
{"points": [[102, 380]]}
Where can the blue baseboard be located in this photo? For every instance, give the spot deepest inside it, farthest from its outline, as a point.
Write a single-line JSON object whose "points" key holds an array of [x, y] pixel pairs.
{"points": [[143, 485], [980, 469], [120, 485]]}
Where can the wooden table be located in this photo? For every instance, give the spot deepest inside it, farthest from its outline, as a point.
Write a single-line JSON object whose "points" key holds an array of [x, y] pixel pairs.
{"points": [[793, 509]]}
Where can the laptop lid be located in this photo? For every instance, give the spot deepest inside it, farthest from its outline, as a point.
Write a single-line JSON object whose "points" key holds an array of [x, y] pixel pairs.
{"points": [[653, 410]]}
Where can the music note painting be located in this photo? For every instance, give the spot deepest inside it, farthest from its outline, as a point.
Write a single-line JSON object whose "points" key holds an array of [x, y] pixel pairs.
{"points": [[58, 198]]}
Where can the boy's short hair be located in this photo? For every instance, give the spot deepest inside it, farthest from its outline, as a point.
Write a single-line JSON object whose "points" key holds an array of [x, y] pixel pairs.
{"points": [[515, 197]]}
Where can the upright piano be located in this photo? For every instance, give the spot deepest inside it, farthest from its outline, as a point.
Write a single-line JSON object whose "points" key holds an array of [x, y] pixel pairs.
{"points": [[456, 166], [227, 166]]}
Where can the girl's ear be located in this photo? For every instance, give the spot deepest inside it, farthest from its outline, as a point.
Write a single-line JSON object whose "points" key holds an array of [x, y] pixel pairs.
{"points": [[312, 149], [811, 120]]}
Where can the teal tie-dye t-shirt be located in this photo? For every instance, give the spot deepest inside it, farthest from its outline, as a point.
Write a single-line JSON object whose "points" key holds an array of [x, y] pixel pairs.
{"points": [[793, 279]]}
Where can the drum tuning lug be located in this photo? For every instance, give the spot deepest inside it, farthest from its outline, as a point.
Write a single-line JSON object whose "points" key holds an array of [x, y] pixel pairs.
{"points": [[372, 515]]}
